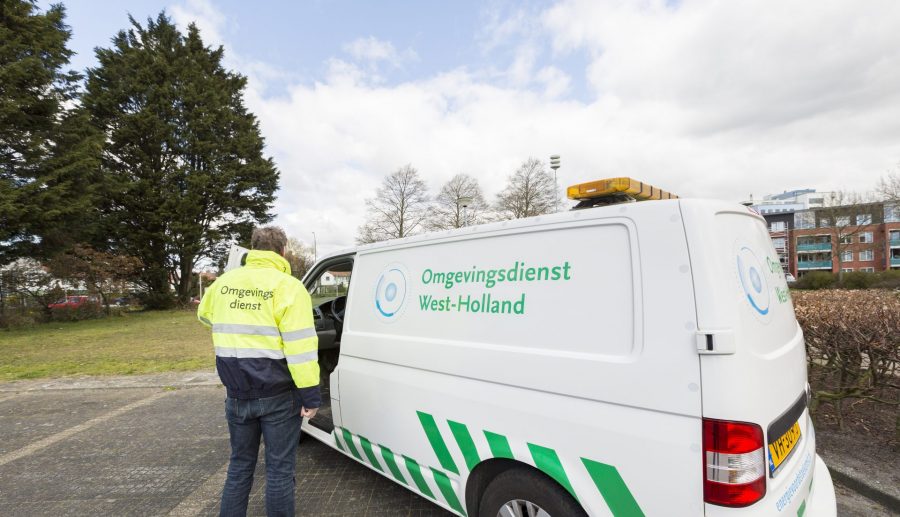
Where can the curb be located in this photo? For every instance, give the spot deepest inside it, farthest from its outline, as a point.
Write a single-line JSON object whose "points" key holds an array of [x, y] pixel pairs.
{"points": [[855, 483]]}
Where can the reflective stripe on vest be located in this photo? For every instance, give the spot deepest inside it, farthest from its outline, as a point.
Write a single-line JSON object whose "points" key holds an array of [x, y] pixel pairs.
{"points": [[248, 353], [247, 330], [262, 330], [306, 357], [295, 335]]}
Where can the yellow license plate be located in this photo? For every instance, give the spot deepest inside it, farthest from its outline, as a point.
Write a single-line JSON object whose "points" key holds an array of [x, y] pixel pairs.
{"points": [[781, 448]]}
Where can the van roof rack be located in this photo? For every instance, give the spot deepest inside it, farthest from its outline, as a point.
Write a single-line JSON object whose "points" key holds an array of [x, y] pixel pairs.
{"points": [[613, 191]]}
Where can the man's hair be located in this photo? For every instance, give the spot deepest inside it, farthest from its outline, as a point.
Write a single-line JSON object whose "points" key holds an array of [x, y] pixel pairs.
{"points": [[269, 238]]}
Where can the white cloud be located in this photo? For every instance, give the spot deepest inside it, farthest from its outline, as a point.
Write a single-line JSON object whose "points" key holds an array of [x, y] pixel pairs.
{"points": [[374, 51], [708, 99], [556, 82], [732, 65], [208, 19]]}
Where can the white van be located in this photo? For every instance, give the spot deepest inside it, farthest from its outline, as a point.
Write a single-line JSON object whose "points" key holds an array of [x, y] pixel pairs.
{"points": [[630, 359]]}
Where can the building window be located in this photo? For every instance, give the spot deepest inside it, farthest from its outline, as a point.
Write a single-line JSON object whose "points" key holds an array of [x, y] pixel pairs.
{"points": [[842, 221], [892, 213], [866, 256], [846, 239], [846, 270], [777, 226], [779, 243], [847, 256], [865, 238], [867, 269], [863, 219], [804, 220]]}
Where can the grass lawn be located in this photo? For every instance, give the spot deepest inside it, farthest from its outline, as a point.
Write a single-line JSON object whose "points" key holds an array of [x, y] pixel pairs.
{"points": [[137, 342]]}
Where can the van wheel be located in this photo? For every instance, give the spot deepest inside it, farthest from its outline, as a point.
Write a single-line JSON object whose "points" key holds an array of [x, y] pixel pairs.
{"points": [[522, 492]]}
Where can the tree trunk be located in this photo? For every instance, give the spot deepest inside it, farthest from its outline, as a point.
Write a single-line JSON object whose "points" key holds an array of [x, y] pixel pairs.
{"points": [[105, 300], [185, 278], [158, 293]]}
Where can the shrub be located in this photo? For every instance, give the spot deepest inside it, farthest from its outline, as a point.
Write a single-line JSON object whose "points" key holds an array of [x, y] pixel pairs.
{"points": [[853, 346], [815, 280], [889, 279], [157, 301], [14, 320], [858, 280], [85, 311]]}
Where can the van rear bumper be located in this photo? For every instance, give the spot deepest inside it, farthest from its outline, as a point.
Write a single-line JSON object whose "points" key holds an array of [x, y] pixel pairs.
{"points": [[821, 499]]}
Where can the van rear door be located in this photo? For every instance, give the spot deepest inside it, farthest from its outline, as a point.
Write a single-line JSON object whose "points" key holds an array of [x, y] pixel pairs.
{"points": [[752, 354]]}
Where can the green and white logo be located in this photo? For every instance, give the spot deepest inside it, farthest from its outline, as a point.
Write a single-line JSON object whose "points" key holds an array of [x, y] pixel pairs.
{"points": [[391, 292]]}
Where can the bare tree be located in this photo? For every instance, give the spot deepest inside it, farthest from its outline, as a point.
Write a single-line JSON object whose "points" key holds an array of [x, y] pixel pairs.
{"points": [[28, 279], [529, 191], [299, 256], [889, 186], [459, 203], [848, 215], [399, 208]]}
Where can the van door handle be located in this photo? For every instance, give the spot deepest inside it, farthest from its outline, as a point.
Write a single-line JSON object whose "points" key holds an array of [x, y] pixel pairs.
{"points": [[715, 342]]}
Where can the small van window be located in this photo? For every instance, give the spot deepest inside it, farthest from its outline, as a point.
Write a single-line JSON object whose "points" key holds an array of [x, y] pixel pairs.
{"points": [[330, 284]]}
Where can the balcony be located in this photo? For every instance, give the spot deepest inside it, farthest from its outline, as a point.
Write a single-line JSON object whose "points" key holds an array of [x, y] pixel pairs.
{"points": [[817, 246], [815, 264], [895, 241], [895, 261]]}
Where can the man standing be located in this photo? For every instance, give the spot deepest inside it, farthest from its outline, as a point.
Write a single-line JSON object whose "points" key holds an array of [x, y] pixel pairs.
{"points": [[267, 358]]}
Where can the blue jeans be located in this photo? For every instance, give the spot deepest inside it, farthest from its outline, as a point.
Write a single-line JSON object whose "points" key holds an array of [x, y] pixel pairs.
{"points": [[277, 420]]}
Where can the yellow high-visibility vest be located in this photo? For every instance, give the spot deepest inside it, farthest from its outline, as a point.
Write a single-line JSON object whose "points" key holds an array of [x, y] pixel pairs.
{"points": [[260, 311]]}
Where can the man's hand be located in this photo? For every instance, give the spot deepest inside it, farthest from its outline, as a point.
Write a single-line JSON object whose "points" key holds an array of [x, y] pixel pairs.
{"points": [[308, 413]]}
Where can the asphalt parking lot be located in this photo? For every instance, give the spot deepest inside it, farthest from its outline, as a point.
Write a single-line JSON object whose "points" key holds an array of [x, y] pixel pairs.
{"points": [[153, 451], [111, 449]]}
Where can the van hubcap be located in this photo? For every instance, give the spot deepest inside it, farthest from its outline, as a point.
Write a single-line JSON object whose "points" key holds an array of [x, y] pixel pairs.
{"points": [[521, 508]]}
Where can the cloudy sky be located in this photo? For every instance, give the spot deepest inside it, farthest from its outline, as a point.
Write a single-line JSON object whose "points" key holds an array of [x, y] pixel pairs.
{"points": [[702, 98]]}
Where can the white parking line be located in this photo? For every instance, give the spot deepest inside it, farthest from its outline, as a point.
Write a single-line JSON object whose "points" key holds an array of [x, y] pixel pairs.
{"points": [[62, 435], [210, 490]]}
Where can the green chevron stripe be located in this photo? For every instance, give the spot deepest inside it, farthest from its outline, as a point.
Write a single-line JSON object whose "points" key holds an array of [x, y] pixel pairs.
{"points": [[337, 441], [548, 461], [416, 472], [391, 462], [348, 439], [443, 483], [437, 442], [367, 448], [613, 489], [465, 442], [499, 445]]}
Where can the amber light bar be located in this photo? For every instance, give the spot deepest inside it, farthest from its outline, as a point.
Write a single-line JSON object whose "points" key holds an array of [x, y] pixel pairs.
{"points": [[637, 189]]}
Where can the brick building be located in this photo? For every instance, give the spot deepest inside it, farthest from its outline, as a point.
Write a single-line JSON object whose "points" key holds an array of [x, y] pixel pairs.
{"points": [[864, 237]]}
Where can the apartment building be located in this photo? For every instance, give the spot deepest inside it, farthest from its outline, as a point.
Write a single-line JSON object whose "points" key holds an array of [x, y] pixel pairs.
{"points": [[779, 209], [864, 237]]}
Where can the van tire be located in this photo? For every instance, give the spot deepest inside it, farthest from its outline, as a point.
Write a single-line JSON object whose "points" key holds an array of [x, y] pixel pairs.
{"points": [[528, 485]]}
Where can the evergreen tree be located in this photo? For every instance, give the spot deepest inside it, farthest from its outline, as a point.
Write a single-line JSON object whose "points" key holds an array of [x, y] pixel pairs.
{"points": [[45, 152], [183, 158]]}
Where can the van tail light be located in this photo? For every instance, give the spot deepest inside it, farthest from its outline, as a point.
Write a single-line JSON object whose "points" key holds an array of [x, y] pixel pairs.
{"points": [[735, 463]]}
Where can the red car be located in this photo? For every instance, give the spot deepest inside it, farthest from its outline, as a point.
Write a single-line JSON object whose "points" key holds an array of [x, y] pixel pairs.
{"points": [[71, 301]]}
